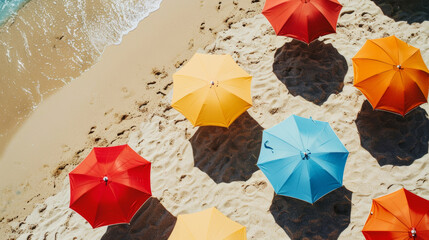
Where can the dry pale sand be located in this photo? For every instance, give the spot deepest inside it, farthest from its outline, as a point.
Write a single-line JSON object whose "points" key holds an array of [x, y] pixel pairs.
{"points": [[197, 168], [117, 94]]}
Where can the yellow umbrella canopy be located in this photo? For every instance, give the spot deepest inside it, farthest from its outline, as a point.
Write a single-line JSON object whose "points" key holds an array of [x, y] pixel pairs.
{"points": [[211, 90], [209, 224]]}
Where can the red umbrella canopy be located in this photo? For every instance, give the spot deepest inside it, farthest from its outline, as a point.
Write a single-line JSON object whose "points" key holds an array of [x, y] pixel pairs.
{"points": [[110, 185], [303, 20], [399, 215]]}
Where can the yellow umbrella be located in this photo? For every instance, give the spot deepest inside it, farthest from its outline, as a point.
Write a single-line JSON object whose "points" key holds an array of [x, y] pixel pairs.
{"points": [[211, 90], [209, 224]]}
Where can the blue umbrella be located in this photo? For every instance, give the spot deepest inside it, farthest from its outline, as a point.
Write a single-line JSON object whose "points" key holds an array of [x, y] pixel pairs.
{"points": [[302, 158]]}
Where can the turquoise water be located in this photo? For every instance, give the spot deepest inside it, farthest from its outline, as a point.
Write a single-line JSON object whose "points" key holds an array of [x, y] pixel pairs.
{"points": [[9, 8]]}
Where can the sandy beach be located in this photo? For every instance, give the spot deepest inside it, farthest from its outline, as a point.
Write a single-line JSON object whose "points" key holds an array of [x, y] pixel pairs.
{"points": [[125, 98]]}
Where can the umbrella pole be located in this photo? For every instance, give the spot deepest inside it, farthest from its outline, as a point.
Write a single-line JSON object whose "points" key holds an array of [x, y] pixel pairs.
{"points": [[105, 179], [414, 233]]}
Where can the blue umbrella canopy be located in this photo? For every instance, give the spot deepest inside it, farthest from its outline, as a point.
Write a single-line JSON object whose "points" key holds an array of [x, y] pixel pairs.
{"points": [[302, 158]]}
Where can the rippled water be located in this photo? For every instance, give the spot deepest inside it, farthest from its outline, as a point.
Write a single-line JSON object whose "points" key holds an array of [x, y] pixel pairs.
{"points": [[8, 8], [50, 42]]}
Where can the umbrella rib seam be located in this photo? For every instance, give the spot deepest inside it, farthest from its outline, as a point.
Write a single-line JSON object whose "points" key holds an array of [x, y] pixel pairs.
{"points": [[113, 163], [333, 28], [283, 141], [98, 208], [200, 106], [284, 24], [278, 159], [117, 167], [372, 59], [421, 220], [371, 77], [383, 50], [327, 171], [392, 214], [131, 187], [87, 191], [117, 200], [319, 133], [287, 179], [404, 62], [415, 82], [221, 109], [403, 93], [390, 82], [188, 94], [236, 95]]}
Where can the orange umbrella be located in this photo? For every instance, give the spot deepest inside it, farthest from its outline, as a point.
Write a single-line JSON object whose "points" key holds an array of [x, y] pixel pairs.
{"points": [[304, 20], [391, 74], [399, 215]]}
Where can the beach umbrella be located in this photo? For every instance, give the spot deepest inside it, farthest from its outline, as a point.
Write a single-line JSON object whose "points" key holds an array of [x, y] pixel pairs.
{"points": [[302, 158], [209, 224], [399, 215], [110, 185], [303, 20], [211, 90], [391, 74]]}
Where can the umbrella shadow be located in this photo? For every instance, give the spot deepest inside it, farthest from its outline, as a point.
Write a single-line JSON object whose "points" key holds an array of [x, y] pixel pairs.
{"points": [[152, 221], [393, 139], [313, 71], [325, 219], [228, 154], [405, 10]]}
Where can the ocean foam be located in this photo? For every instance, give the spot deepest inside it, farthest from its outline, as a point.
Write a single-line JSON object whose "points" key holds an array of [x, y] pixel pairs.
{"points": [[47, 43], [9, 8]]}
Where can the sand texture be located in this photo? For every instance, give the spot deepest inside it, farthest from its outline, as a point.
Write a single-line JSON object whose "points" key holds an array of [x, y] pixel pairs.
{"points": [[197, 168], [105, 104]]}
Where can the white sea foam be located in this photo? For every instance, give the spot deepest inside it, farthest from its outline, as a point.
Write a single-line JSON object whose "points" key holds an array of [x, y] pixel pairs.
{"points": [[48, 43], [122, 17], [8, 8]]}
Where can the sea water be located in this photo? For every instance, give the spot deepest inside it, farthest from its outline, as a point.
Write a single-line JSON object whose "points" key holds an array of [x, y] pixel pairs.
{"points": [[8, 8], [44, 44]]}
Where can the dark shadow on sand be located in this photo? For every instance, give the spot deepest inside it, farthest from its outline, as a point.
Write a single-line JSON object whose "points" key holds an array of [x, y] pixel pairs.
{"points": [[228, 154], [405, 10], [152, 221], [323, 220], [393, 139], [312, 71]]}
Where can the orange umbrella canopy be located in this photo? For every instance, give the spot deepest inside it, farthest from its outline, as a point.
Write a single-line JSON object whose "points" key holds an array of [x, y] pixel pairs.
{"points": [[211, 90], [304, 20], [399, 215], [391, 74]]}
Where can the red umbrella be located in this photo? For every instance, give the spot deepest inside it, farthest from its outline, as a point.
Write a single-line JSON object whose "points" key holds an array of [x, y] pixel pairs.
{"points": [[110, 185], [304, 20]]}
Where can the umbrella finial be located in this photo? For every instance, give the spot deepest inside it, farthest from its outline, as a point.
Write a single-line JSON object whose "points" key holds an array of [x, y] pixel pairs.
{"points": [[413, 232], [305, 155], [212, 83], [399, 66], [105, 179]]}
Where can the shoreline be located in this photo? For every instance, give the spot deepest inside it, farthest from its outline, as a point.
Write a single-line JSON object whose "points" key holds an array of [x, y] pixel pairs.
{"points": [[125, 98], [48, 44], [106, 94]]}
